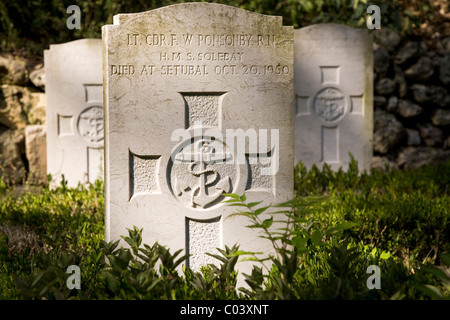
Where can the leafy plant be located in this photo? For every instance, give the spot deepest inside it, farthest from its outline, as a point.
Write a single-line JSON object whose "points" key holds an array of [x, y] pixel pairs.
{"points": [[442, 273], [295, 242], [324, 239], [24, 24]]}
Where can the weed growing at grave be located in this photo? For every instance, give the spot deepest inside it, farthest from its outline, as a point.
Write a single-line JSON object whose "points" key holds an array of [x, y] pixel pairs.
{"points": [[42, 231], [316, 261], [324, 240], [403, 212]]}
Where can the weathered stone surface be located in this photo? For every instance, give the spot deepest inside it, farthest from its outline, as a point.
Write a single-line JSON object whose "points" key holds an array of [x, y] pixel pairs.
{"points": [[13, 70], [333, 94], [387, 38], [379, 101], [412, 137], [444, 69], [400, 80], [434, 94], [392, 104], [37, 76], [447, 143], [441, 117], [406, 52], [15, 103], [388, 131], [36, 152], [416, 157], [385, 86], [74, 111], [446, 43], [408, 109], [381, 163], [421, 71], [37, 113], [12, 145], [179, 81], [431, 135], [381, 61], [20, 106]]}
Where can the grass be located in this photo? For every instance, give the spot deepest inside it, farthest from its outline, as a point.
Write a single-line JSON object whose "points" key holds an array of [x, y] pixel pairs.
{"points": [[341, 223]]}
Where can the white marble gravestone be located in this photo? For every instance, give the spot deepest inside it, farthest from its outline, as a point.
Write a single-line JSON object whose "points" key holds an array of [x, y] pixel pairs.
{"points": [[333, 83], [198, 102], [74, 95]]}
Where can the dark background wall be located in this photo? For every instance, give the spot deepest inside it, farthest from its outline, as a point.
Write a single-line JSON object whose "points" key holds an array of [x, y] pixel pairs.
{"points": [[411, 71]]}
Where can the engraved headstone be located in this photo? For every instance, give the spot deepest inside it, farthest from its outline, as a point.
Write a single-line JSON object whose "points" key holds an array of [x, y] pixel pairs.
{"points": [[333, 96], [198, 102], [74, 111]]}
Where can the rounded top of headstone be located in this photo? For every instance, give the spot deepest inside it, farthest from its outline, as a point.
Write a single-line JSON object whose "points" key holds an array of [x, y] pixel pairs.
{"points": [[332, 31], [197, 10], [337, 37], [94, 42], [329, 26]]}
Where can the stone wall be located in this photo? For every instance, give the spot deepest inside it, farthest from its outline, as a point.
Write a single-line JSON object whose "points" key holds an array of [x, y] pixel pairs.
{"points": [[411, 102], [22, 104]]}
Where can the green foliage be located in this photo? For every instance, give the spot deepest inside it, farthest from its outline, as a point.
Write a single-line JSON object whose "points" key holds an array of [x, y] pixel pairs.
{"points": [[403, 212], [315, 261], [135, 272], [324, 240], [440, 273], [26, 24], [69, 225]]}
